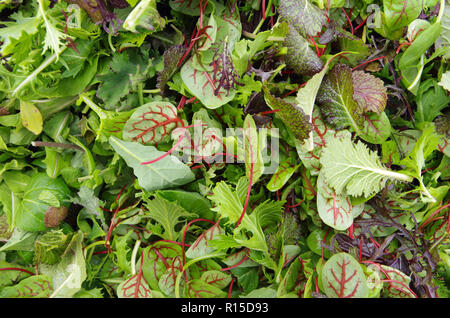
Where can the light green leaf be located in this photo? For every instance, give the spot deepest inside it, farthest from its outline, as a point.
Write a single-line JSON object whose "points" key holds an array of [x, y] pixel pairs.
{"points": [[166, 173], [31, 117]]}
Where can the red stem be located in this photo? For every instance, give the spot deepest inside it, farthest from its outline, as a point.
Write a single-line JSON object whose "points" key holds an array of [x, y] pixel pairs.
{"points": [[16, 269], [369, 61]]}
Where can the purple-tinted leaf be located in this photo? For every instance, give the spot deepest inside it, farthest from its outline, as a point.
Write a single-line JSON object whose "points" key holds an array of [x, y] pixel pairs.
{"points": [[369, 92], [172, 57], [304, 16], [337, 104], [300, 56], [343, 277], [293, 117]]}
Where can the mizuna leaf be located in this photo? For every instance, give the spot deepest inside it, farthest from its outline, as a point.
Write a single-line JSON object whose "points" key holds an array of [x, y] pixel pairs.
{"points": [[165, 173], [354, 169], [300, 56], [369, 92], [343, 277], [152, 123], [304, 16], [292, 116], [336, 99]]}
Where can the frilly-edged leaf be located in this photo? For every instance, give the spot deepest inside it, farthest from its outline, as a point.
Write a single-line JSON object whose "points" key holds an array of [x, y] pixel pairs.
{"points": [[293, 117], [172, 57], [168, 215], [354, 169], [304, 16], [369, 92], [300, 56], [336, 101], [15, 30], [144, 18]]}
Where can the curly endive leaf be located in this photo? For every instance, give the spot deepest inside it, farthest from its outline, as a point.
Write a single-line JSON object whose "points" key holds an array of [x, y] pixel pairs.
{"points": [[336, 101], [300, 56], [354, 169], [369, 92], [293, 117], [303, 15]]}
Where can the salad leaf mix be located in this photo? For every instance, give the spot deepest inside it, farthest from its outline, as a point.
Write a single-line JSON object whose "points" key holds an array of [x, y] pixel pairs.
{"points": [[224, 149]]}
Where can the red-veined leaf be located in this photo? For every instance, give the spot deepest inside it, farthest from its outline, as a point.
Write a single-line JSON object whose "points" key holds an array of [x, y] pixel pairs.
{"points": [[343, 277]]}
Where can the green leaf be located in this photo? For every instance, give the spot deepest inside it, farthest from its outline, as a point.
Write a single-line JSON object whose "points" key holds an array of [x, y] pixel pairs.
{"points": [[197, 288], [31, 117], [335, 210], [31, 216], [399, 13], [200, 83], [68, 274], [168, 215], [445, 81], [354, 169], [343, 277], [431, 100], [38, 286], [216, 278], [253, 145], [377, 128], [336, 99], [144, 18], [281, 176], [411, 62], [168, 172], [15, 30], [49, 247], [202, 246]]}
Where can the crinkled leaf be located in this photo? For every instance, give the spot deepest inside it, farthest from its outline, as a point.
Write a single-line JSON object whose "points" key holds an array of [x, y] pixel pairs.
{"points": [[354, 169], [300, 56], [304, 16], [369, 92], [292, 116], [335, 97], [172, 57]]}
